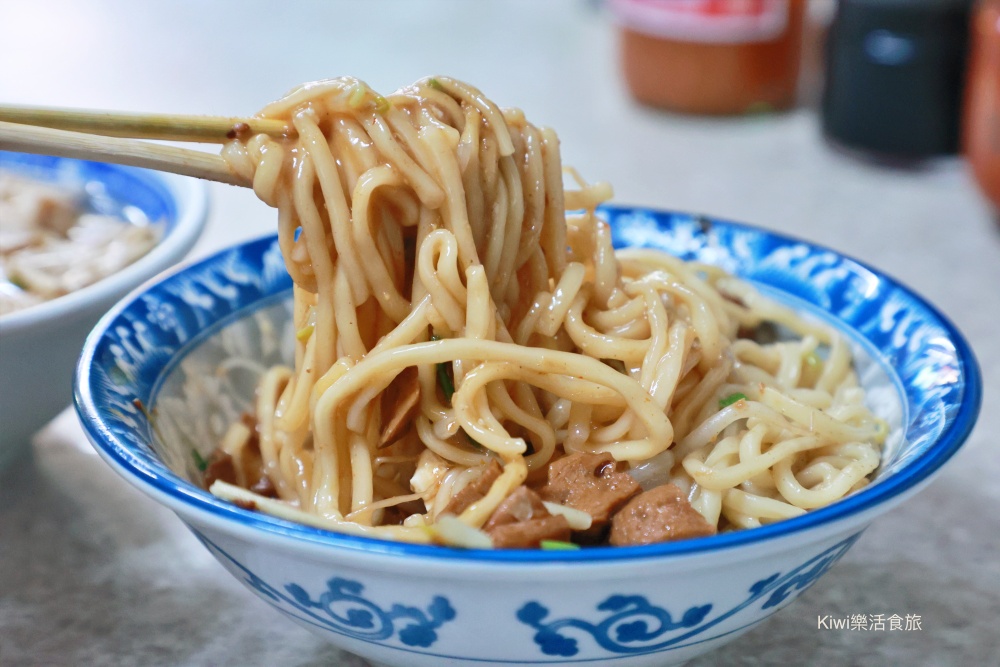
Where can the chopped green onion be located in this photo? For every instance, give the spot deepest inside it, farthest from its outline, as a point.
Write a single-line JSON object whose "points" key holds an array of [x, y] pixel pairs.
{"points": [[18, 282], [444, 376], [199, 461], [435, 84], [444, 379], [732, 398], [357, 96], [558, 545], [304, 333], [382, 105]]}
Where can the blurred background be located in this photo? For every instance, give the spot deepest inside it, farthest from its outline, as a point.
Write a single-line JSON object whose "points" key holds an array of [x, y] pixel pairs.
{"points": [[870, 126]]}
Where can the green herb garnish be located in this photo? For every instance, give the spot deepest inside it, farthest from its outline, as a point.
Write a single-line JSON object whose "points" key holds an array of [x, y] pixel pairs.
{"points": [[304, 333], [813, 360], [18, 282], [381, 105], [435, 84], [558, 545], [812, 369], [732, 398], [199, 461], [357, 96], [444, 375], [445, 380]]}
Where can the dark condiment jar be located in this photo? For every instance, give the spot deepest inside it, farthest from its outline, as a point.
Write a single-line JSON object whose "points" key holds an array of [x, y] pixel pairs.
{"points": [[894, 72], [711, 56], [981, 131]]}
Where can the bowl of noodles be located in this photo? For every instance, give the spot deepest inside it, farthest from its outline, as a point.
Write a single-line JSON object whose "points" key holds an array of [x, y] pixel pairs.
{"points": [[453, 411], [75, 237]]}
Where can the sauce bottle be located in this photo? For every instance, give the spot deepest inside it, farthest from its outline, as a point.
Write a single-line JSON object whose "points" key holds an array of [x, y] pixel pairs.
{"points": [[711, 56], [894, 72], [981, 127]]}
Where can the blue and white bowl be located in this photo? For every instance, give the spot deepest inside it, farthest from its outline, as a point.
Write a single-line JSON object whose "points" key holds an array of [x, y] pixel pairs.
{"points": [[189, 347], [40, 345]]}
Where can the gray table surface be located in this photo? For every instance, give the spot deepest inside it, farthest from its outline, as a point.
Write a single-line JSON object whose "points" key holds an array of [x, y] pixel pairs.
{"points": [[94, 572]]}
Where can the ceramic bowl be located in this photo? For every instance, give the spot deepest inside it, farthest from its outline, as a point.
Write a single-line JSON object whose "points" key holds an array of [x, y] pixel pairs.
{"points": [[40, 345], [401, 604]]}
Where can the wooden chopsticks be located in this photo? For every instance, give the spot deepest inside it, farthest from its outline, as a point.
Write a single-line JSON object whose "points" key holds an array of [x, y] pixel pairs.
{"points": [[64, 143], [106, 136], [168, 127]]}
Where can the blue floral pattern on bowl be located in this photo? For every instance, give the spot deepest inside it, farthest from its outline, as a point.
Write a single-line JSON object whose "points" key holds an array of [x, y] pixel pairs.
{"points": [[628, 623], [343, 608], [633, 625]]}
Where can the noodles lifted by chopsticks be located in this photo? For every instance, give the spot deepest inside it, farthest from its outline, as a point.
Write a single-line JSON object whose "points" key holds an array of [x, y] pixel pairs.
{"points": [[463, 322]]}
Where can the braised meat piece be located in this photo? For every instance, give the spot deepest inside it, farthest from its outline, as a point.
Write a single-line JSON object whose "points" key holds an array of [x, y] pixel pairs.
{"points": [[522, 522], [250, 472], [591, 483], [400, 404], [659, 515], [220, 466], [474, 490]]}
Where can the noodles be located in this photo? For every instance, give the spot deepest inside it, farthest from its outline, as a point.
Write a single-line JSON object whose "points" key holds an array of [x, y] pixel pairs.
{"points": [[429, 230]]}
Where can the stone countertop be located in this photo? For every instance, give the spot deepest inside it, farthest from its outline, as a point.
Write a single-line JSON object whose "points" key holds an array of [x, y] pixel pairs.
{"points": [[92, 572]]}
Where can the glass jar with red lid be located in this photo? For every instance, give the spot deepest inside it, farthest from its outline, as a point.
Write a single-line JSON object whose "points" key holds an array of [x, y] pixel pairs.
{"points": [[981, 132], [711, 56]]}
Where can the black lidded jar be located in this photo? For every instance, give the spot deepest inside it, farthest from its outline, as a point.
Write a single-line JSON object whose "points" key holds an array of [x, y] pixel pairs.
{"points": [[894, 75]]}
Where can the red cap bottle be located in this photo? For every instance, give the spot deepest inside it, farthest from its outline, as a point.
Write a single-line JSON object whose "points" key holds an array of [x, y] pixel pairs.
{"points": [[711, 56], [981, 130]]}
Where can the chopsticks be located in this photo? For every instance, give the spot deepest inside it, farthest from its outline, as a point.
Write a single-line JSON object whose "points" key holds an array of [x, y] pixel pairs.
{"points": [[63, 143], [168, 127], [106, 136]]}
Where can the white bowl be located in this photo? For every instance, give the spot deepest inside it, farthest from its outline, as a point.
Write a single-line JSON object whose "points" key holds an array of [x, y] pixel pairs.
{"points": [[403, 604], [39, 345]]}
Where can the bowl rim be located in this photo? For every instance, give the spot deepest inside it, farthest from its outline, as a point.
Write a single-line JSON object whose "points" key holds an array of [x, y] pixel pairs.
{"points": [[186, 499], [190, 197]]}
